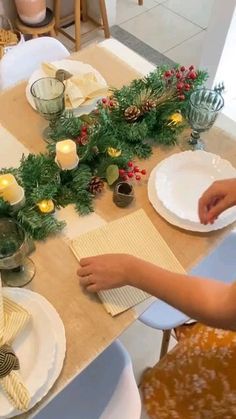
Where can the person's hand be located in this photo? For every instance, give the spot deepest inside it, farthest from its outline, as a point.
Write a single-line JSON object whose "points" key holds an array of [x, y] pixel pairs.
{"points": [[216, 199], [105, 271]]}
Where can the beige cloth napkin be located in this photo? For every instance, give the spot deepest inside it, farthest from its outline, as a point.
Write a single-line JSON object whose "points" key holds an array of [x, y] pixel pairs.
{"points": [[79, 89], [134, 234], [13, 319]]}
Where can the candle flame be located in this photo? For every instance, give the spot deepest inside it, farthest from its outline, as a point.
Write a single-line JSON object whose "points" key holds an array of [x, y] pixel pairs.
{"points": [[66, 148], [4, 182]]}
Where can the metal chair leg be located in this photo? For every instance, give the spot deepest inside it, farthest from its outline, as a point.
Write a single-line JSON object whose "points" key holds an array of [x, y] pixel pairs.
{"points": [[165, 342]]}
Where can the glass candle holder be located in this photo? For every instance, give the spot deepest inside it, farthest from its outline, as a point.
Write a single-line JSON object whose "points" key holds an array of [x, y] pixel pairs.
{"points": [[16, 269], [49, 99]]}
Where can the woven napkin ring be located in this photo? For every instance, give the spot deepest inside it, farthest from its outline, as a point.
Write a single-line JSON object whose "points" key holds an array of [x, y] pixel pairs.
{"points": [[8, 361], [63, 75]]}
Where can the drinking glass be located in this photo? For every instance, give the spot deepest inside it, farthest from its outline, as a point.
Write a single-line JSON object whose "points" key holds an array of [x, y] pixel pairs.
{"points": [[203, 109], [49, 99], [16, 269]]}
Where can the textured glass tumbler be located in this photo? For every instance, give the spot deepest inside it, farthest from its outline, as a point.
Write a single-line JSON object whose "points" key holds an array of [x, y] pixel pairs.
{"points": [[48, 95], [16, 269], [203, 109]]}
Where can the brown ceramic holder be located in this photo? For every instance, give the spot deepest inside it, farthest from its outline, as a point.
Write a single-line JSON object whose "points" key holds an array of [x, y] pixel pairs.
{"points": [[123, 194]]}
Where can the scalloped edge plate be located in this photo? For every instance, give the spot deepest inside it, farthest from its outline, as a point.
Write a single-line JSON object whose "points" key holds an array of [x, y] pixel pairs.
{"points": [[183, 177], [176, 221], [57, 331]]}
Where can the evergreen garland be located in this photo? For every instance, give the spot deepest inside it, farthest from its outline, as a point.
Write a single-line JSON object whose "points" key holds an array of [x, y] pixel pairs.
{"points": [[130, 121]]}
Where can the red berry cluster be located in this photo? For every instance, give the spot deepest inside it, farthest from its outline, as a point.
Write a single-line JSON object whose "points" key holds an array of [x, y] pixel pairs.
{"points": [[107, 103], [132, 172], [183, 77], [82, 139]]}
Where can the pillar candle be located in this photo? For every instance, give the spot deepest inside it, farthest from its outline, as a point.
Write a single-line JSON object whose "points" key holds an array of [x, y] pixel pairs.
{"points": [[9, 189], [66, 154]]}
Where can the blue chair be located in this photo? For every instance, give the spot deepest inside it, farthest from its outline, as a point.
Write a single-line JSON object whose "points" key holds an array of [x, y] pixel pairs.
{"points": [[219, 264], [106, 389]]}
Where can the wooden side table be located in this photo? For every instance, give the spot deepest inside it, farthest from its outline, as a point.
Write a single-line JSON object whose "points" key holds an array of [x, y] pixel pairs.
{"points": [[36, 31], [80, 11]]}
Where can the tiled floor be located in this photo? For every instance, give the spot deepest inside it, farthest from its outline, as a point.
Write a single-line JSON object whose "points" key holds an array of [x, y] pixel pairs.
{"points": [[175, 28]]}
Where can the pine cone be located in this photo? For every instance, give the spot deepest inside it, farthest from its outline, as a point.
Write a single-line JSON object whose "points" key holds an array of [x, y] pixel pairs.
{"points": [[132, 113], [148, 105], [96, 185]]}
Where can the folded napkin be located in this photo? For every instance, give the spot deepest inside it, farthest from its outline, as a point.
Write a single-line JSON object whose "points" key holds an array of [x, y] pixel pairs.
{"points": [[134, 234], [79, 88], [13, 319]]}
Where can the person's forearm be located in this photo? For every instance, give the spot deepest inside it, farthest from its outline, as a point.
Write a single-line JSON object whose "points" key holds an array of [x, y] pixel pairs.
{"points": [[205, 300]]}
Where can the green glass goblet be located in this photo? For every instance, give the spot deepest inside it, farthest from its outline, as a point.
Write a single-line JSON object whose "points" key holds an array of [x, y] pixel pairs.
{"points": [[16, 269], [49, 99], [203, 109]]}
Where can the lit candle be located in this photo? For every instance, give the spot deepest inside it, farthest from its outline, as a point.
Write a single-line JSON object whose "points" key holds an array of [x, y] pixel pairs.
{"points": [[66, 154], [10, 190]]}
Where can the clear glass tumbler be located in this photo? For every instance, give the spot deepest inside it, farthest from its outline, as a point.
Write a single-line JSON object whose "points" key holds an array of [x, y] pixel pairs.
{"points": [[49, 99], [16, 269]]}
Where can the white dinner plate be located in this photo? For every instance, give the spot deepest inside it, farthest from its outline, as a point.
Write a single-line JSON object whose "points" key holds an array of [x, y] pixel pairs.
{"points": [[174, 219], [182, 178], [38, 375], [75, 68]]}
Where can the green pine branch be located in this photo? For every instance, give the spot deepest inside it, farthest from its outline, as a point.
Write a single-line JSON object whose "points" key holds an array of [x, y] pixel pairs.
{"points": [[5, 208], [107, 128], [38, 225]]}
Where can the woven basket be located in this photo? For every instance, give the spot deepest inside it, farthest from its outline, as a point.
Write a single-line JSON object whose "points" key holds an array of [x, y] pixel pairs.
{"points": [[9, 37]]}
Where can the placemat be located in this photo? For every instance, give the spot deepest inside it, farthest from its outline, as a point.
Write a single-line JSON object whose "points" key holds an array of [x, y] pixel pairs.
{"points": [[134, 234]]}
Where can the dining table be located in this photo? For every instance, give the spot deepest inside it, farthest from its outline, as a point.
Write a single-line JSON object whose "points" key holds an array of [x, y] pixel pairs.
{"points": [[89, 328]]}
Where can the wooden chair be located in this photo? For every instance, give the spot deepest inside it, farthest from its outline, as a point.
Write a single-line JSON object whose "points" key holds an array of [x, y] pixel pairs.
{"points": [[80, 13]]}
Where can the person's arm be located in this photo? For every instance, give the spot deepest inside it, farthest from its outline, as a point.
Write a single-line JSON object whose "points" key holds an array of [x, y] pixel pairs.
{"points": [[208, 301]]}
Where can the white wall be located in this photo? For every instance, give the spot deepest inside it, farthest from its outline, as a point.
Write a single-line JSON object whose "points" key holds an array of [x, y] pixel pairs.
{"points": [[7, 7], [219, 51], [93, 10], [219, 37]]}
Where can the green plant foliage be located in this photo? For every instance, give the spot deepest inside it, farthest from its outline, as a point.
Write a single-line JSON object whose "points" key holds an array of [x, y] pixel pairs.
{"points": [[112, 174]]}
